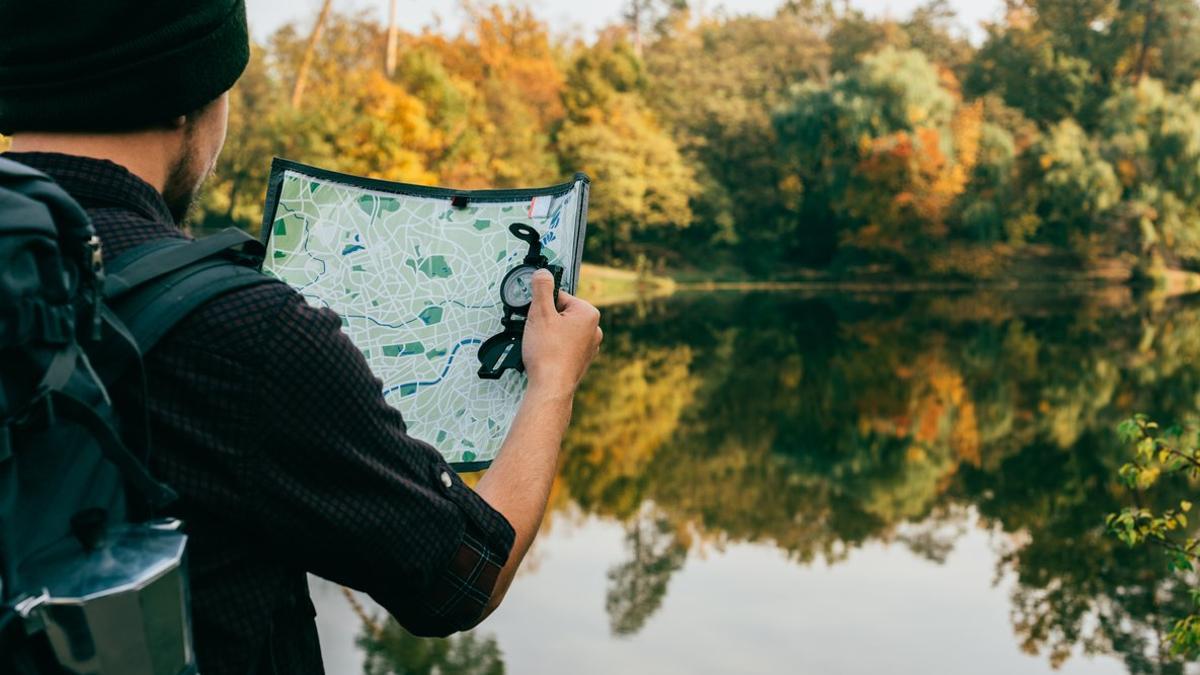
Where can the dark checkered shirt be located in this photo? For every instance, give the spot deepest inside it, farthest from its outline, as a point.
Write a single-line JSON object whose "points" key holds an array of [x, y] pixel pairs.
{"points": [[269, 424]]}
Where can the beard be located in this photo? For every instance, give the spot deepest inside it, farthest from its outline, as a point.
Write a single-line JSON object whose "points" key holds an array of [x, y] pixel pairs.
{"points": [[184, 180], [181, 188]]}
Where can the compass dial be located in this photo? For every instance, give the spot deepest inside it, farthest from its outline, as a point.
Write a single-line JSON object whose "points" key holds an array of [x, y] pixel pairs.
{"points": [[517, 288]]}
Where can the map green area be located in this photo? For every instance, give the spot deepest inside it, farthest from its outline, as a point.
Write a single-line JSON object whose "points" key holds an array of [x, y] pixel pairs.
{"points": [[414, 274]]}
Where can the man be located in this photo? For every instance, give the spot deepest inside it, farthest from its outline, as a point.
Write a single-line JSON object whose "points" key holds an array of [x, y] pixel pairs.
{"points": [[265, 418]]}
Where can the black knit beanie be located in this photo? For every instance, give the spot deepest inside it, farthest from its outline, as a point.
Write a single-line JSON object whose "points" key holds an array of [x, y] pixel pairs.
{"points": [[98, 65]]}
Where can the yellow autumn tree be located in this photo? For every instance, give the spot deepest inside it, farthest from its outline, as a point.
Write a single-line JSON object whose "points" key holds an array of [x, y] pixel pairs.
{"points": [[503, 86], [642, 180]]}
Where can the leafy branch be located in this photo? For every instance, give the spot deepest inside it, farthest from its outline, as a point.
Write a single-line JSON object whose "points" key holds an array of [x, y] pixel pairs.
{"points": [[1158, 453]]}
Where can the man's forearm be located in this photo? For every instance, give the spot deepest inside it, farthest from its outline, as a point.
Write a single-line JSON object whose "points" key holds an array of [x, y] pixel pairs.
{"points": [[518, 482]]}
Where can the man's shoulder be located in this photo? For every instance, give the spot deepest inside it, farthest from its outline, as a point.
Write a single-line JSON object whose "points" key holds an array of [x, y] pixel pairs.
{"points": [[121, 231], [241, 322]]}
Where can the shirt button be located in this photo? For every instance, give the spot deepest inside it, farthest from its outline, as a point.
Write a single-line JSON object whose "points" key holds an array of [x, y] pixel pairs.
{"points": [[446, 479]]}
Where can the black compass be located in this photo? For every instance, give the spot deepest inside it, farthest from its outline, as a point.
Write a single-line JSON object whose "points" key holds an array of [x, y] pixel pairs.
{"points": [[502, 351]]}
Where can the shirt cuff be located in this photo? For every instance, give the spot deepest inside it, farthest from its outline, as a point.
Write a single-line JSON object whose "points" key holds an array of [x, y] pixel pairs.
{"points": [[462, 593], [487, 524]]}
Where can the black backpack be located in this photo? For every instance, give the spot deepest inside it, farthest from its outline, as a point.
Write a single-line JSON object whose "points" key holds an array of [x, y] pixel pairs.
{"points": [[70, 466]]}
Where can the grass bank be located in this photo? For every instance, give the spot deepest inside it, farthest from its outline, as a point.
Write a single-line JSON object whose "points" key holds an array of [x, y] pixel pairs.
{"points": [[602, 285], [1034, 270], [1034, 267]]}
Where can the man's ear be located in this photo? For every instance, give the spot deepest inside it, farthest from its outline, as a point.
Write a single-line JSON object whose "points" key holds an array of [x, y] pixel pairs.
{"points": [[177, 122]]}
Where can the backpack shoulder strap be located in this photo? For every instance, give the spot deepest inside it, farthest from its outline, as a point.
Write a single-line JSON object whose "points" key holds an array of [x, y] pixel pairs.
{"points": [[151, 313], [154, 287], [163, 257]]}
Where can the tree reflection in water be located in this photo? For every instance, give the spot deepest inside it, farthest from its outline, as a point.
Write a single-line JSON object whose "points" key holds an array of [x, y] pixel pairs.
{"points": [[639, 585], [391, 650], [816, 425]]}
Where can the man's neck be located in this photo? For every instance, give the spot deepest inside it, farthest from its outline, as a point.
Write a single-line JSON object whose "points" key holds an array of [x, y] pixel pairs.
{"points": [[146, 154]]}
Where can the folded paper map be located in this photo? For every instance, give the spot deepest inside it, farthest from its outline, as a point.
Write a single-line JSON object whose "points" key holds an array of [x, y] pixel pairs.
{"points": [[414, 272]]}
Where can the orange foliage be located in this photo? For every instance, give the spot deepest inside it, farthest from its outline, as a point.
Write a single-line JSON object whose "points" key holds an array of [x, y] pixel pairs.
{"points": [[496, 92], [911, 182], [941, 413], [510, 45]]}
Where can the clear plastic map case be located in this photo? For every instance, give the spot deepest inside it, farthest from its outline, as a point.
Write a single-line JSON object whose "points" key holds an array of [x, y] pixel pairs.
{"points": [[414, 272]]}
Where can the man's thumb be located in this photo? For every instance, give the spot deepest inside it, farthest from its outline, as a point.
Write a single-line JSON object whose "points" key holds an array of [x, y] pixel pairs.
{"points": [[543, 291]]}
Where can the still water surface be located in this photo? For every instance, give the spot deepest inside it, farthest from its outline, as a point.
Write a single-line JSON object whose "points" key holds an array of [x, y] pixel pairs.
{"points": [[774, 483]]}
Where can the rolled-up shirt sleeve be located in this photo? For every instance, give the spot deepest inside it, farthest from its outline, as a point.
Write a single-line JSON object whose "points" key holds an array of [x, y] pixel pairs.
{"points": [[339, 484]]}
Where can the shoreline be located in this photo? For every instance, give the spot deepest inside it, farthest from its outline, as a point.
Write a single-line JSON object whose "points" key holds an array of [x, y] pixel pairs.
{"points": [[901, 286], [603, 286]]}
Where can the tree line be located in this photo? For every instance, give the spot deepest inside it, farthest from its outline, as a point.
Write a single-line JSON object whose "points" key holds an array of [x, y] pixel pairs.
{"points": [[815, 139]]}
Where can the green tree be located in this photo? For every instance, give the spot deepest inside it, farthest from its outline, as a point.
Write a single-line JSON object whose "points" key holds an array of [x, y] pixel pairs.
{"points": [[854, 36], [1166, 41], [1070, 186], [714, 84], [1152, 139], [931, 30], [1023, 66], [1055, 60]]}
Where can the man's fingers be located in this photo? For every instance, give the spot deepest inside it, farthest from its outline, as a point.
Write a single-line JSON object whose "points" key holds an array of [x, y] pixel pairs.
{"points": [[543, 292], [573, 306], [565, 300]]}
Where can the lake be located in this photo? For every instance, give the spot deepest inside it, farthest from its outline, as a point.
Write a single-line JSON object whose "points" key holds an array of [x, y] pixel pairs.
{"points": [[901, 483]]}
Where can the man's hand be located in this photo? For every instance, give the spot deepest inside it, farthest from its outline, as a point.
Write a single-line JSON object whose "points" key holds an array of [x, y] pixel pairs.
{"points": [[560, 342]]}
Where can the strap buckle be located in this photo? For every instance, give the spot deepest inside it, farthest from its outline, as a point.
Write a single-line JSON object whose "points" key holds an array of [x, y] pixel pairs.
{"points": [[27, 609], [94, 256]]}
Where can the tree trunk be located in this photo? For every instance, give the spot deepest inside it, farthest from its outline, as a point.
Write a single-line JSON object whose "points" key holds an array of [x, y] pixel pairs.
{"points": [[233, 195], [392, 39], [634, 17], [1144, 51], [309, 53]]}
